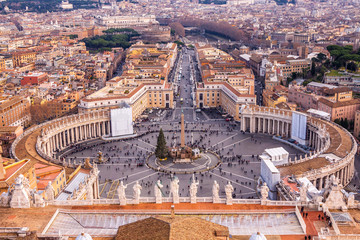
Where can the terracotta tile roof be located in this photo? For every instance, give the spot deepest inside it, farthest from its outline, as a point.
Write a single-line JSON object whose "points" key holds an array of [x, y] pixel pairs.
{"points": [[339, 104], [43, 182], [336, 90], [177, 228], [13, 170]]}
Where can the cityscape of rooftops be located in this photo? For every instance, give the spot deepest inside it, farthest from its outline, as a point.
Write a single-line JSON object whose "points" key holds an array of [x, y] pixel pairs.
{"points": [[180, 119]]}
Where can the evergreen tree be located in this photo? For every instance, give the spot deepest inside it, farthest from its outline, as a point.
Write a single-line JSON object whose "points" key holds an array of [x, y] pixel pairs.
{"points": [[161, 148], [313, 68]]}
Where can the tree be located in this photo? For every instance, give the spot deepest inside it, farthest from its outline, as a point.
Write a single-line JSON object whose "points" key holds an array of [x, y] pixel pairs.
{"points": [[352, 66], [321, 57], [313, 68], [161, 150], [178, 28]]}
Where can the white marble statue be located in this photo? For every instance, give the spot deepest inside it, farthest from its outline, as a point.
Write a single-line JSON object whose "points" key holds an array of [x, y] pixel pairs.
{"points": [[264, 191], [38, 200], [215, 192], [157, 191], [193, 190], [174, 190], [121, 193], [351, 200], [137, 191], [333, 196], [229, 189], [49, 192]]}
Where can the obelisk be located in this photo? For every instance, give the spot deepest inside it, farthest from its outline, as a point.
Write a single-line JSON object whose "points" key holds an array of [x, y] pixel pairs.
{"points": [[182, 131]]}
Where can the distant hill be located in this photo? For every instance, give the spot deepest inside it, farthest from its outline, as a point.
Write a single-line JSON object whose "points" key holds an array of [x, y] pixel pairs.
{"points": [[44, 5]]}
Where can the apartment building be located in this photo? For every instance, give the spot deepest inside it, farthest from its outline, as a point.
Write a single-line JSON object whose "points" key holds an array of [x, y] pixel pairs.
{"points": [[291, 66], [226, 83], [339, 110], [20, 57], [222, 94], [15, 111], [138, 96], [35, 78]]}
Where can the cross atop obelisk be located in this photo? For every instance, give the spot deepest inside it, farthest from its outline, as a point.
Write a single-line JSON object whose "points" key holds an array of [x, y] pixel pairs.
{"points": [[182, 137]]}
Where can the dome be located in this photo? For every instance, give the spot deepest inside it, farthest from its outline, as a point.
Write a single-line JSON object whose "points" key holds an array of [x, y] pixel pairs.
{"points": [[83, 236], [257, 236]]}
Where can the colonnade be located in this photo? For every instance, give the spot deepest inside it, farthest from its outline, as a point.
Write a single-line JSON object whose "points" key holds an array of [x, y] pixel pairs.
{"points": [[266, 124], [314, 140], [344, 175], [69, 135], [256, 119]]}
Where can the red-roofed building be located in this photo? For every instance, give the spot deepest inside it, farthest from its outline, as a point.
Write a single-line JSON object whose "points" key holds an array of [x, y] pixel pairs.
{"points": [[10, 170], [46, 173], [34, 79]]}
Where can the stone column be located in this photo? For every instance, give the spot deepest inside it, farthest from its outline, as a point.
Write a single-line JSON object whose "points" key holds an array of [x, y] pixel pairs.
{"points": [[327, 178], [284, 129], [62, 139], [57, 143], [86, 131], [50, 145], [103, 128], [68, 137], [108, 127], [341, 176], [320, 183], [251, 124], [346, 175], [264, 127], [70, 131], [268, 130], [80, 133], [89, 130], [74, 134]]}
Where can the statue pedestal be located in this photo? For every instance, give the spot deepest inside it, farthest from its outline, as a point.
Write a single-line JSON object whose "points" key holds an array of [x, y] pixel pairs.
{"points": [[192, 199], [176, 199], [122, 202], [229, 201], [216, 200]]}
